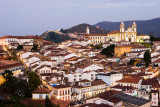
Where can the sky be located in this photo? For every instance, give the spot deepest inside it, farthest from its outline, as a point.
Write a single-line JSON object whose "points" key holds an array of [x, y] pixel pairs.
{"points": [[33, 17]]}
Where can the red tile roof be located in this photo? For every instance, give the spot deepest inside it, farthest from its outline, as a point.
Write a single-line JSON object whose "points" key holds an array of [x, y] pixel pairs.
{"points": [[42, 90], [61, 86], [96, 35], [61, 103], [22, 37], [115, 31], [143, 35], [134, 80]]}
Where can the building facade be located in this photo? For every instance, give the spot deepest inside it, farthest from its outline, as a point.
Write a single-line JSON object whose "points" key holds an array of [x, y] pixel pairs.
{"points": [[128, 34]]}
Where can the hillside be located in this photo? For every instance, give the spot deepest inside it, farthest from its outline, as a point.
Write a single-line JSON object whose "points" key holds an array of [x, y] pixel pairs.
{"points": [[55, 37], [143, 26], [81, 28]]}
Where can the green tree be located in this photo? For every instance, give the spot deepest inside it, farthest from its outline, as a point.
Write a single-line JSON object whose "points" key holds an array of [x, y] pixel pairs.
{"points": [[99, 46], [35, 47], [63, 31], [19, 47], [147, 58], [48, 102], [131, 62], [8, 75], [34, 79], [16, 87], [109, 51]]}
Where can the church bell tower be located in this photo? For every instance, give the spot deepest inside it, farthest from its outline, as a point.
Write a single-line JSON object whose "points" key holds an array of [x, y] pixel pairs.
{"points": [[87, 30]]}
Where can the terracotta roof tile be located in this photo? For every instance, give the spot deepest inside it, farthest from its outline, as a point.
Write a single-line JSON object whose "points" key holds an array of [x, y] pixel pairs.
{"points": [[42, 90], [134, 80]]}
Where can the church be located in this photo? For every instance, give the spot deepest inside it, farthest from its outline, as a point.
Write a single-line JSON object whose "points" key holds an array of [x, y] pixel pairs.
{"points": [[128, 34]]}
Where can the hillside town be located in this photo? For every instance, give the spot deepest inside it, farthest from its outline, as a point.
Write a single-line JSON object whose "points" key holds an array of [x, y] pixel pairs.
{"points": [[117, 69]]}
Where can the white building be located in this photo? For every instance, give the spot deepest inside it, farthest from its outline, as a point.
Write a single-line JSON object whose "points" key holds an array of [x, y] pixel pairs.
{"points": [[90, 67], [110, 78], [76, 76], [154, 97], [85, 89], [130, 81], [62, 92], [41, 93]]}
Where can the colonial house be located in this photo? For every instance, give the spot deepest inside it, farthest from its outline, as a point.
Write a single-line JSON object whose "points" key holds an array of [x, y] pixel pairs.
{"points": [[76, 76], [154, 97], [130, 81], [126, 89], [107, 99], [110, 78], [44, 69], [31, 59], [62, 92], [88, 67], [52, 79], [85, 89], [121, 50], [74, 59], [143, 38], [14, 66], [21, 40], [41, 93]]}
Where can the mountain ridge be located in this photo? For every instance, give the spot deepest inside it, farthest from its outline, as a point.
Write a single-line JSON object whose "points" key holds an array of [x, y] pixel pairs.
{"points": [[149, 27]]}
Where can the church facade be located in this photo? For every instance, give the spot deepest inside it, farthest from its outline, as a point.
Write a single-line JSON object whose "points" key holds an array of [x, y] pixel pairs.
{"points": [[129, 34], [123, 34]]}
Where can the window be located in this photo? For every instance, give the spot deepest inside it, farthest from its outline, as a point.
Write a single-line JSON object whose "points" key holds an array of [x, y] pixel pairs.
{"points": [[40, 96]]}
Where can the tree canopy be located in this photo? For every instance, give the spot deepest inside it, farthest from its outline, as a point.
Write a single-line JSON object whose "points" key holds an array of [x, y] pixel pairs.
{"points": [[17, 88], [147, 58], [34, 79], [35, 47], [109, 51], [19, 47]]}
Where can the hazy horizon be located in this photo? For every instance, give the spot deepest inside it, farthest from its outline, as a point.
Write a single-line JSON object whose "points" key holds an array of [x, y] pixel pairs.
{"points": [[33, 17]]}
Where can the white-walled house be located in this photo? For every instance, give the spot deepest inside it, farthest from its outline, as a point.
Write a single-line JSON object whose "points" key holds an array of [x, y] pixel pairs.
{"points": [[44, 69], [62, 92], [85, 89], [110, 78], [31, 60], [41, 93], [154, 97], [76, 76], [130, 81], [126, 89], [90, 67], [70, 55]]}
